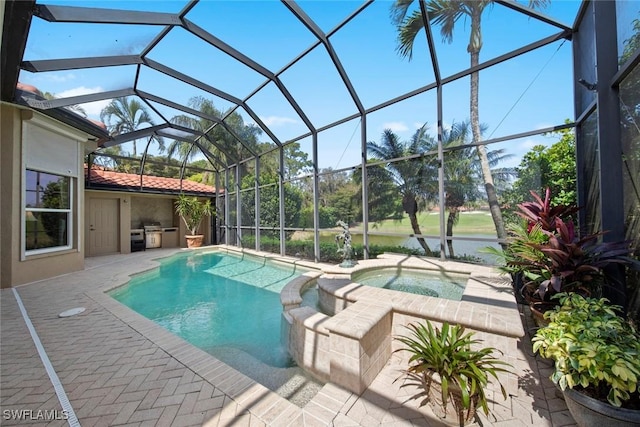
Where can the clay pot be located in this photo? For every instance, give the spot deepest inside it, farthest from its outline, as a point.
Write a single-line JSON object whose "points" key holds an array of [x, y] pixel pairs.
{"points": [[195, 241]]}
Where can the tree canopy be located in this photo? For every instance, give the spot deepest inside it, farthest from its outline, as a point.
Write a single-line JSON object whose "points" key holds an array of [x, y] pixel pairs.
{"points": [[542, 167]]}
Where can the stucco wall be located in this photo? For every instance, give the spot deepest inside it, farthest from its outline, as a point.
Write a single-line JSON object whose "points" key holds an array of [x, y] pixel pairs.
{"points": [[17, 269], [148, 208]]}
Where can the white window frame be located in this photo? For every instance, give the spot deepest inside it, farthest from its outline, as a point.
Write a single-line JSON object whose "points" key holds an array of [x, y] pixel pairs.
{"points": [[69, 211]]}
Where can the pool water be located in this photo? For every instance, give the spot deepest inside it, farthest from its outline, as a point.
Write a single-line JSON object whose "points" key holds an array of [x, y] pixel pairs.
{"points": [[421, 282], [225, 304]]}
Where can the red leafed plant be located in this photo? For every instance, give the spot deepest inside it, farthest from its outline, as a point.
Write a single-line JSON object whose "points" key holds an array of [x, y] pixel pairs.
{"points": [[577, 262], [550, 255], [541, 212]]}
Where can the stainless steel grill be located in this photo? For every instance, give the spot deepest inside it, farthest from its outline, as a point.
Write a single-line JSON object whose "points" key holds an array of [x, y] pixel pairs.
{"points": [[153, 235]]}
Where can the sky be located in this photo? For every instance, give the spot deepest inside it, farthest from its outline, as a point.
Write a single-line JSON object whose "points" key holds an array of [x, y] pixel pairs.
{"points": [[530, 92]]}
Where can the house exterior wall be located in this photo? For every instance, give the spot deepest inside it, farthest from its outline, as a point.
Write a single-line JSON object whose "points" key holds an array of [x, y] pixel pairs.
{"points": [[16, 267]]}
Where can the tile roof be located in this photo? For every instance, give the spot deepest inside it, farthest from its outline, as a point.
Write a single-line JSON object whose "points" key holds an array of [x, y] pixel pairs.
{"points": [[131, 181]]}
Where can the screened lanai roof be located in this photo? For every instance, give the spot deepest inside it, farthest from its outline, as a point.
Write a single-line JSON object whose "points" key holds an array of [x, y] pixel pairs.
{"points": [[288, 71]]}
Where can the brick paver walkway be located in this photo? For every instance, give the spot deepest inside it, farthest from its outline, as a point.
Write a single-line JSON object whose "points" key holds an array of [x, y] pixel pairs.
{"points": [[119, 368]]}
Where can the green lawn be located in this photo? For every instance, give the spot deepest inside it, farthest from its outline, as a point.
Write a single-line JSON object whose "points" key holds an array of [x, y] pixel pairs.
{"points": [[469, 223]]}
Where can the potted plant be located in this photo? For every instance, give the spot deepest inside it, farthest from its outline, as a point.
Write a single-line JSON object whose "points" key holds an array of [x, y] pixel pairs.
{"points": [[451, 375], [597, 360], [192, 211]]}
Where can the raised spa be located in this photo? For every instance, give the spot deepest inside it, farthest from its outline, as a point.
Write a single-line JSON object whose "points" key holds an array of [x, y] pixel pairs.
{"points": [[350, 338]]}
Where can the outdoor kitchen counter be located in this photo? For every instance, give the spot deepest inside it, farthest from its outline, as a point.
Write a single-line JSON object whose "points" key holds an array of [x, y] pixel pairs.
{"points": [[170, 237]]}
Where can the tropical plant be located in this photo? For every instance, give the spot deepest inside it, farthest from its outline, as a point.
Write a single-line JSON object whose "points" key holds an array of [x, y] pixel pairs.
{"points": [[542, 167], [124, 115], [192, 211], [543, 213], [446, 13], [551, 255], [445, 356], [536, 223], [571, 262], [594, 349], [415, 178]]}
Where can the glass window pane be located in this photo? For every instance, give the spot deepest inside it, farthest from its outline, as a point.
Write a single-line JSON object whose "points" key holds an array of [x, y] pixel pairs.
{"points": [[628, 26], [46, 230], [630, 122], [591, 173], [44, 190]]}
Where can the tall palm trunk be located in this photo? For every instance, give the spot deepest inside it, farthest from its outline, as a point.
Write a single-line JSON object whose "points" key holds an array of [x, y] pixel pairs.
{"points": [[474, 50], [416, 229], [451, 220], [410, 206]]}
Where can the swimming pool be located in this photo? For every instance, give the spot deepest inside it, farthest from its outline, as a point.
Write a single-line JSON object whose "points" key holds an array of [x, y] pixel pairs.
{"points": [[421, 282], [226, 304]]}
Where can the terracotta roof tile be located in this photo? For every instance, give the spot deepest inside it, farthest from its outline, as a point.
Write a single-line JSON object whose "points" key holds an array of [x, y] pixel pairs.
{"points": [[131, 180]]}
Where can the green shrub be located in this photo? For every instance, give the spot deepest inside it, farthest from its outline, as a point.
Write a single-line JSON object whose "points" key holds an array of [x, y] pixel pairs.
{"points": [[593, 348]]}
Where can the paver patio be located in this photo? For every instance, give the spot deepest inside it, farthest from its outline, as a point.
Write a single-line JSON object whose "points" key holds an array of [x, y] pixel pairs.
{"points": [[119, 368]]}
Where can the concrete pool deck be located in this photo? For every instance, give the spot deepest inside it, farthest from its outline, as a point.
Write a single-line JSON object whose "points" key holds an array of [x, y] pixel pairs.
{"points": [[119, 368]]}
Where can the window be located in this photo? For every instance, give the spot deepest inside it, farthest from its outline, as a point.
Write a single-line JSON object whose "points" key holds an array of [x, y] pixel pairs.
{"points": [[48, 214]]}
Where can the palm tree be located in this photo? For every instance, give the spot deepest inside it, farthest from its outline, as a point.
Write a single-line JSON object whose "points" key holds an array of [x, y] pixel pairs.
{"points": [[122, 116], [446, 14], [463, 172], [414, 177], [228, 148]]}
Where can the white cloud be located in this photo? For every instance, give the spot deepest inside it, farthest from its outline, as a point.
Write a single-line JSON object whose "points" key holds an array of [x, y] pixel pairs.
{"points": [[528, 144], [273, 121], [93, 109], [395, 126], [60, 78], [76, 91]]}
